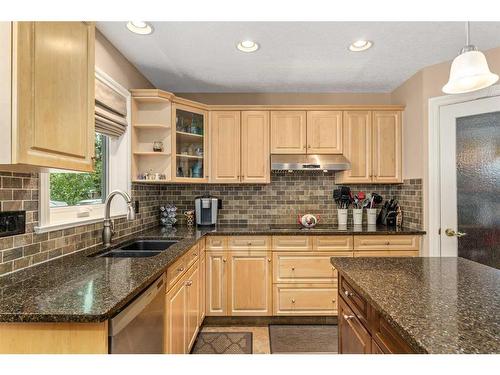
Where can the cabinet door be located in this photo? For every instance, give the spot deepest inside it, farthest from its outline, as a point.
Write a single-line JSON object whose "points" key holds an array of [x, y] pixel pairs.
{"points": [[54, 91], [176, 305], [387, 146], [353, 337], [203, 273], [324, 132], [216, 284], [357, 146], [255, 164], [193, 305], [288, 132], [250, 285], [225, 146]]}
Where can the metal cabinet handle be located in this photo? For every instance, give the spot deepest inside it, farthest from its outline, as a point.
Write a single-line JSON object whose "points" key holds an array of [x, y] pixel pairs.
{"points": [[224, 260], [195, 254], [249, 243], [189, 283], [180, 269], [348, 317], [347, 294], [387, 243], [293, 300], [268, 259], [293, 268]]}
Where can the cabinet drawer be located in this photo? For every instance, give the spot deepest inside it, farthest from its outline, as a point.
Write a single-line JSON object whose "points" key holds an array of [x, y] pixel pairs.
{"points": [[392, 242], [332, 243], [386, 253], [216, 243], [175, 271], [355, 301], [192, 256], [305, 267], [305, 299], [292, 243], [249, 243]]}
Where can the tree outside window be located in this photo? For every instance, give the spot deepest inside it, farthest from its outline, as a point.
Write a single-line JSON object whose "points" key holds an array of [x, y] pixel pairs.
{"points": [[76, 189]]}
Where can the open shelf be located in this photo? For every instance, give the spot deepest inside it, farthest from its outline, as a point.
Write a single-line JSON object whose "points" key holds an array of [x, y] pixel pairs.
{"points": [[189, 135], [152, 126], [140, 153], [189, 156]]}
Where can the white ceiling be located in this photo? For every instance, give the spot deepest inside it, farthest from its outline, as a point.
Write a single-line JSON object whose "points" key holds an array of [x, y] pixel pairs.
{"points": [[294, 56]]}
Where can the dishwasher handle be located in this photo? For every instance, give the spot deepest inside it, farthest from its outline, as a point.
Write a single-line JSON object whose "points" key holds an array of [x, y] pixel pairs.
{"points": [[122, 319]]}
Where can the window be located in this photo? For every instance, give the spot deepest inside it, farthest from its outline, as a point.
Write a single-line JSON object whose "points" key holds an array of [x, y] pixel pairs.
{"points": [[80, 189], [68, 199]]}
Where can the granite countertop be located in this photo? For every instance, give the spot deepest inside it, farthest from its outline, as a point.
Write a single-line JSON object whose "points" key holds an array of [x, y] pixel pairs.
{"points": [[438, 305], [79, 288]]}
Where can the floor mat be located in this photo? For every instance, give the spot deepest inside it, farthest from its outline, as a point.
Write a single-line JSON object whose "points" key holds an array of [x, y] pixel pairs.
{"points": [[223, 343], [303, 338]]}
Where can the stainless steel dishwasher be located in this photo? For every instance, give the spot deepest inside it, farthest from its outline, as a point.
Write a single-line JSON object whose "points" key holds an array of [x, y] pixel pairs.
{"points": [[138, 329]]}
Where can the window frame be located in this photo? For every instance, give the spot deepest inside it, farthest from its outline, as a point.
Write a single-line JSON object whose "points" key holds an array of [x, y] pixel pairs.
{"points": [[118, 158]]}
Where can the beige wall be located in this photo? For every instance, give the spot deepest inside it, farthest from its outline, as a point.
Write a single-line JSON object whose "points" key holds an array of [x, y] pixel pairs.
{"points": [[113, 63], [288, 98]]}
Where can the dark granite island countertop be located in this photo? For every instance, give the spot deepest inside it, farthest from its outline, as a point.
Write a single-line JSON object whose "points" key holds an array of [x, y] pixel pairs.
{"points": [[79, 288], [438, 305]]}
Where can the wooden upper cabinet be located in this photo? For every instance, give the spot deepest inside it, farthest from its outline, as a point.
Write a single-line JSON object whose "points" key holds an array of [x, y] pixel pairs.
{"points": [[225, 146], [288, 132], [255, 163], [357, 147], [324, 132], [387, 146], [53, 94]]}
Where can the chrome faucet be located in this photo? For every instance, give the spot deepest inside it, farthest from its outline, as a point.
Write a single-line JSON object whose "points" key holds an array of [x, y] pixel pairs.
{"points": [[109, 227]]}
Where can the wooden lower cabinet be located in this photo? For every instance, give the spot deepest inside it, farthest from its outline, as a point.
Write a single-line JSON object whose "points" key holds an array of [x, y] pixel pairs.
{"points": [[216, 283], [182, 312], [305, 299], [362, 329], [249, 283], [175, 327], [353, 336]]}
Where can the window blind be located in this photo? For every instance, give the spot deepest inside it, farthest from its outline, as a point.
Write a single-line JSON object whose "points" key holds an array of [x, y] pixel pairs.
{"points": [[110, 111]]}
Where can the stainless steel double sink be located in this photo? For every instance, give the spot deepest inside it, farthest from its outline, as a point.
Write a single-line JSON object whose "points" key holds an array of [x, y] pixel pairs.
{"points": [[137, 249]]}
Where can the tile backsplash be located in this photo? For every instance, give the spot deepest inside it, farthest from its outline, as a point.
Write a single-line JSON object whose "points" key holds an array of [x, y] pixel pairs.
{"points": [[288, 195], [278, 202]]}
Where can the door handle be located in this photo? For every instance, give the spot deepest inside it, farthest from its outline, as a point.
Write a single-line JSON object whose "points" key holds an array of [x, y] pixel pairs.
{"points": [[451, 233]]}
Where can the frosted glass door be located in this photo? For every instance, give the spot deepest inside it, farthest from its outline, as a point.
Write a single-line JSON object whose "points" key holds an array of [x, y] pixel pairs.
{"points": [[470, 181]]}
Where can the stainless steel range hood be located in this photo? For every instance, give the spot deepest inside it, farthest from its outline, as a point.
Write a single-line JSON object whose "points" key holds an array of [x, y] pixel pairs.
{"points": [[309, 162]]}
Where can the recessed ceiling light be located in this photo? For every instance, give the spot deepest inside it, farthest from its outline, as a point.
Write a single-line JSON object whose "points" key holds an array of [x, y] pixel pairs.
{"points": [[247, 46], [139, 27], [360, 45]]}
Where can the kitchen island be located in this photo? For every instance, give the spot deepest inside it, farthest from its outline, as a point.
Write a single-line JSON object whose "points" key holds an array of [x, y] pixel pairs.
{"points": [[417, 305]]}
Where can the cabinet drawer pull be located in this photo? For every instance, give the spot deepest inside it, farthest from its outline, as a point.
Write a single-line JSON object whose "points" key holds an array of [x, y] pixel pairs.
{"points": [[249, 243], [224, 260], [293, 268], [268, 259], [347, 293], [189, 283], [387, 243], [181, 269], [293, 300], [195, 254], [348, 317]]}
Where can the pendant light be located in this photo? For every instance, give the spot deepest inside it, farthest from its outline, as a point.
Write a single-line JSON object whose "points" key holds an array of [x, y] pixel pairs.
{"points": [[469, 70]]}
